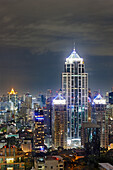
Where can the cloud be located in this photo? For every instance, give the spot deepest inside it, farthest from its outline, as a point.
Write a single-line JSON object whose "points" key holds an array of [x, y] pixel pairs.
{"points": [[52, 25], [46, 29]]}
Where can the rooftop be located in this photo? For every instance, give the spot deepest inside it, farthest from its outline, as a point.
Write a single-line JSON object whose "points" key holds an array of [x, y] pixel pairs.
{"points": [[74, 57], [99, 100], [12, 91], [59, 99]]}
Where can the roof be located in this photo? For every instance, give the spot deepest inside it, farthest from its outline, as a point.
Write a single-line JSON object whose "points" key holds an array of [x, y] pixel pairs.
{"points": [[106, 166], [74, 57], [12, 91], [59, 99], [99, 100]]}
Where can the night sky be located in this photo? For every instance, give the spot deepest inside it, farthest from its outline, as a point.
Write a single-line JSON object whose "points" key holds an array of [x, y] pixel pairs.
{"points": [[36, 36]]}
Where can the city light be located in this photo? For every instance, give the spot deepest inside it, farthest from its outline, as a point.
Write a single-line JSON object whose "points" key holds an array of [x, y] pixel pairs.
{"points": [[99, 100]]}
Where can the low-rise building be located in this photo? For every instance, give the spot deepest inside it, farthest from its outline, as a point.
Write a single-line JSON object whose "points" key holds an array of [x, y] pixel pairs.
{"points": [[50, 163], [11, 158]]}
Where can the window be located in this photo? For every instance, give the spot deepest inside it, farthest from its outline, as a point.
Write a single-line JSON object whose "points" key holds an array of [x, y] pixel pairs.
{"points": [[39, 166]]}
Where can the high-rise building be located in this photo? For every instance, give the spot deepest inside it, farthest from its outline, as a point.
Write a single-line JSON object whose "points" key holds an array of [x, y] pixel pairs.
{"points": [[28, 100], [75, 91], [90, 138], [100, 116], [111, 97], [49, 115], [13, 97], [39, 131], [89, 105], [59, 122]]}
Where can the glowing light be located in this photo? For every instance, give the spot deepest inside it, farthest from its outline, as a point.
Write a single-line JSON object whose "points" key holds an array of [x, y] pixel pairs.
{"points": [[89, 99], [99, 100], [10, 160], [59, 101], [12, 91], [74, 57], [69, 141], [40, 118]]}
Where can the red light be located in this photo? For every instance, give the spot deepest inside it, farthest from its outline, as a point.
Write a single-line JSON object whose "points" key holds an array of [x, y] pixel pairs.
{"points": [[57, 159]]}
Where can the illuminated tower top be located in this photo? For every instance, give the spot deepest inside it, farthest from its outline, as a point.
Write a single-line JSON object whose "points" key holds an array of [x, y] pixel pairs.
{"points": [[12, 95], [99, 100], [12, 92], [74, 57], [59, 100]]}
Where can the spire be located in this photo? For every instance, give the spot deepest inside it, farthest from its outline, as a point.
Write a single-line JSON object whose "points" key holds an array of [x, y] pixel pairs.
{"points": [[12, 91], [74, 47]]}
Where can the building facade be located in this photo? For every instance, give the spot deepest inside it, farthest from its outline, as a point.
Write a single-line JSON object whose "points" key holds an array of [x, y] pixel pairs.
{"points": [[11, 158], [39, 131], [100, 116], [90, 138], [59, 122], [75, 91]]}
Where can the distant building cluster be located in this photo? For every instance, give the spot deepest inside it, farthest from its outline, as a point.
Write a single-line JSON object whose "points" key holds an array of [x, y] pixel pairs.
{"points": [[71, 118]]}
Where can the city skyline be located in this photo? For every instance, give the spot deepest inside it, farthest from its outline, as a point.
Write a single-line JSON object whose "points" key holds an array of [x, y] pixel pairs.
{"points": [[35, 40]]}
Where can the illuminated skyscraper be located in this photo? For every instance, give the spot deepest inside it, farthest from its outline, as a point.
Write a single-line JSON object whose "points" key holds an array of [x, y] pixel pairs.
{"points": [[13, 97], [39, 131], [59, 122], [75, 91], [100, 116]]}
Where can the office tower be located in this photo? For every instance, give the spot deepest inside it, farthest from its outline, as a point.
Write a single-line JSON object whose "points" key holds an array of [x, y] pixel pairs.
{"points": [[111, 97], [41, 100], [90, 138], [99, 116], [13, 97], [59, 122], [48, 120], [49, 115], [89, 105], [28, 100], [109, 112], [39, 130], [75, 91]]}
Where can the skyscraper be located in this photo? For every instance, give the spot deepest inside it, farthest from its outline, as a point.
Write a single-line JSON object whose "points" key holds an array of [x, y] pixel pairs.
{"points": [[39, 131], [13, 97], [90, 138], [101, 117], [75, 91], [59, 122]]}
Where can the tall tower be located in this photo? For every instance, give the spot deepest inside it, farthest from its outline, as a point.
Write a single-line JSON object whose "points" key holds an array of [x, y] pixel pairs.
{"points": [[13, 96], [101, 117], [75, 91], [59, 122], [39, 131]]}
